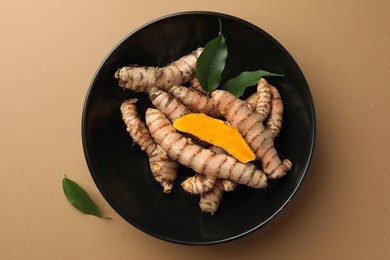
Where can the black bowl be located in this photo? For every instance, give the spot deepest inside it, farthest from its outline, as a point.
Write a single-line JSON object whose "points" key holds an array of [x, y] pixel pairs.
{"points": [[121, 170]]}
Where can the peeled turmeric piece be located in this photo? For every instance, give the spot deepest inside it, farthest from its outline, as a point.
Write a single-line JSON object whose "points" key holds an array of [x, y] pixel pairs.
{"points": [[216, 132]]}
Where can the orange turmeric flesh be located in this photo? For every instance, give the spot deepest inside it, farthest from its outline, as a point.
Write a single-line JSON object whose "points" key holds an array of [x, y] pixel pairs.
{"points": [[216, 132]]}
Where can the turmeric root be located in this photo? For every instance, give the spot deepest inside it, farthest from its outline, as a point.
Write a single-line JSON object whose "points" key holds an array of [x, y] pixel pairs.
{"points": [[201, 160], [250, 125], [194, 100], [260, 101], [140, 79], [209, 201], [274, 121], [163, 169], [194, 83], [216, 132], [198, 184], [251, 101], [263, 106], [270, 108], [167, 104], [228, 185]]}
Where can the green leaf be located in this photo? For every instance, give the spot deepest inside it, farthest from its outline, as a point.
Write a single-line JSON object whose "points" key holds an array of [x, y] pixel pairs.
{"points": [[238, 84], [211, 62], [79, 198]]}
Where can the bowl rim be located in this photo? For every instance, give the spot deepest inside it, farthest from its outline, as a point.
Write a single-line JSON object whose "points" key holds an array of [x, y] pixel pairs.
{"points": [[87, 153]]}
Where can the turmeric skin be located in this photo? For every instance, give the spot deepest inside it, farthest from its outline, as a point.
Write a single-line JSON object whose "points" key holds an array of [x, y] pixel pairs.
{"points": [[274, 115], [198, 184], [209, 201], [216, 132], [251, 101], [260, 101], [263, 104], [250, 125], [194, 100], [163, 169], [228, 185], [201, 160], [274, 121], [194, 84], [167, 104], [140, 79]]}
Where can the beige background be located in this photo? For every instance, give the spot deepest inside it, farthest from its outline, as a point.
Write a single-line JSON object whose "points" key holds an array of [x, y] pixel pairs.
{"points": [[49, 52]]}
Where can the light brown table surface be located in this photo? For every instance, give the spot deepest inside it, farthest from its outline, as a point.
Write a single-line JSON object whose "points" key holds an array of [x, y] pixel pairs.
{"points": [[49, 52]]}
